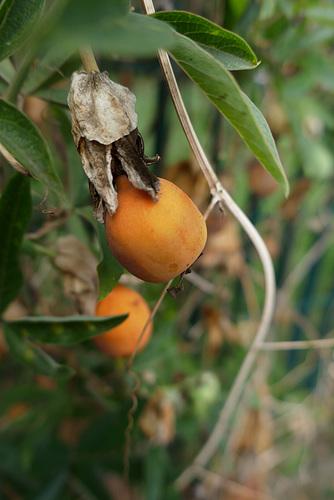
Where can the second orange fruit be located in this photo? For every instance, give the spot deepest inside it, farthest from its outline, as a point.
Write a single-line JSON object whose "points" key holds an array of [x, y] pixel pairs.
{"points": [[122, 339]]}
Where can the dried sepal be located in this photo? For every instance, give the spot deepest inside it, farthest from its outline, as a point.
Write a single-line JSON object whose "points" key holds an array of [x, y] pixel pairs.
{"points": [[104, 128], [101, 110]]}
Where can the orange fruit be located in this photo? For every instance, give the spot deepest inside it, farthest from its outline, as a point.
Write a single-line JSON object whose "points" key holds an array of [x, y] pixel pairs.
{"points": [[122, 339], [155, 241]]}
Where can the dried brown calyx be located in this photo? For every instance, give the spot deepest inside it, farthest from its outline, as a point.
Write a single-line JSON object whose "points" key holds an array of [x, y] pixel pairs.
{"points": [[104, 128]]}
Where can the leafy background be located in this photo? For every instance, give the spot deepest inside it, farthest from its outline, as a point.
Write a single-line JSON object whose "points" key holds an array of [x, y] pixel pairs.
{"points": [[63, 408]]}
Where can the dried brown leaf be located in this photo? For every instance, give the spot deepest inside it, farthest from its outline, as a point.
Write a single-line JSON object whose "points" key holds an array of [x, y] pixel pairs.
{"points": [[219, 328], [254, 433], [36, 109], [223, 247], [119, 488], [78, 264], [290, 207], [71, 429], [261, 182], [157, 420], [187, 175]]}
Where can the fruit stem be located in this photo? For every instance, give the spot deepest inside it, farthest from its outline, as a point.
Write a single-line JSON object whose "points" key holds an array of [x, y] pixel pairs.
{"points": [[218, 193], [88, 60]]}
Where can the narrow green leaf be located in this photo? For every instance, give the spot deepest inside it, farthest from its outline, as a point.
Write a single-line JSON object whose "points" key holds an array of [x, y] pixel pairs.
{"points": [[53, 67], [155, 472], [7, 71], [15, 213], [30, 354], [18, 19], [23, 140], [53, 489], [227, 47], [54, 95], [223, 90], [63, 330], [109, 269]]}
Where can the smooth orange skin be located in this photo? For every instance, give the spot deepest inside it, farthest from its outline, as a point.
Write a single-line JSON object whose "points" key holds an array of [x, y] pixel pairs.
{"points": [[155, 241], [121, 340]]}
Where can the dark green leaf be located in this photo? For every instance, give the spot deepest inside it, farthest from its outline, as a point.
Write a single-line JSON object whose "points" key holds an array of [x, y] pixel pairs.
{"points": [[97, 437], [23, 393], [23, 140], [227, 47], [11, 467], [63, 330], [5, 7], [15, 213], [109, 269], [18, 20], [31, 355], [88, 475], [222, 89], [54, 487]]}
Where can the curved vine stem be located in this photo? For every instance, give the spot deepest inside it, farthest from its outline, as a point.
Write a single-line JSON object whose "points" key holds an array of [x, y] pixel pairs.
{"points": [[219, 194]]}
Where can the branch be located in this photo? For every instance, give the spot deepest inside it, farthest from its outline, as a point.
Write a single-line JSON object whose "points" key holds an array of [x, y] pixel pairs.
{"points": [[297, 344], [219, 193]]}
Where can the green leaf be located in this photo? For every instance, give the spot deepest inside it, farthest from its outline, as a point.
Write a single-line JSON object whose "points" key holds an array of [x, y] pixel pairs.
{"points": [[53, 489], [227, 47], [5, 7], [109, 29], [18, 19], [109, 269], [155, 472], [31, 355], [323, 15], [52, 68], [23, 140], [54, 95], [7, 71], [63, 330], [223, 90], [15, 213]]}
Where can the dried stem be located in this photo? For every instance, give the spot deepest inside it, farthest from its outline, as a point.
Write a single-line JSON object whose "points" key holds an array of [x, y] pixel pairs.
{"points": [[217, 191], [133, 394], [298, 344], [127, 448], [153, 313]]}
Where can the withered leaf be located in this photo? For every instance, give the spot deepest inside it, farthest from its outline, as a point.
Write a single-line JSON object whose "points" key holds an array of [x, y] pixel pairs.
{"points": [[104, 128], [78, 264], [157, 420]]}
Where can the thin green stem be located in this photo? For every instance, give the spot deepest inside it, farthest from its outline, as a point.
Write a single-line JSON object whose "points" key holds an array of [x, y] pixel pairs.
{"points": [[16, 85], [88, 60]]}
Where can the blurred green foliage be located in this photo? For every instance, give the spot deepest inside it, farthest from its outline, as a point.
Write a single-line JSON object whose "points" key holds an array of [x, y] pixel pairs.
{"points": [[64, 438]]}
